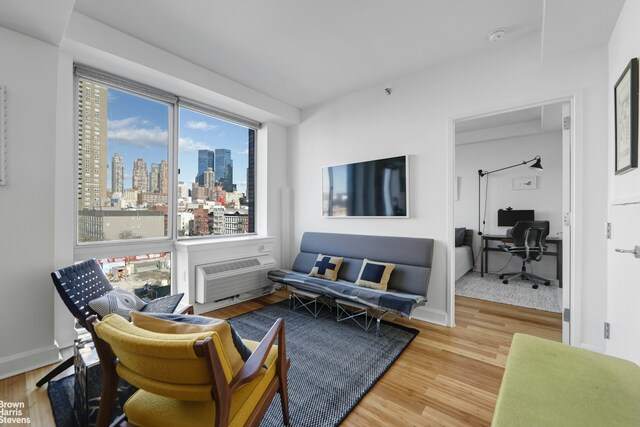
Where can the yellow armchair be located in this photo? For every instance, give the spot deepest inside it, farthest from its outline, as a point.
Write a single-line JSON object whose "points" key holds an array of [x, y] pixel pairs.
{"points": [[188, 379]]}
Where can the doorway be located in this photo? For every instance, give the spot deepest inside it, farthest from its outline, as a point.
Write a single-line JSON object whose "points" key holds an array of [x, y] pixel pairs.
{"points": [[509, 166]]}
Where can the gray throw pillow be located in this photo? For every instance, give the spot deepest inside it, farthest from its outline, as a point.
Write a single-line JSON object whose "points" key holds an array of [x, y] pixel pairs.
{"points": [[460, 232], [119, 301]]}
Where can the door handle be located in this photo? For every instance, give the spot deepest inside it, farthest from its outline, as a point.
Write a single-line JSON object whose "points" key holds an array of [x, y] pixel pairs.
{"points": [[635, 251]]}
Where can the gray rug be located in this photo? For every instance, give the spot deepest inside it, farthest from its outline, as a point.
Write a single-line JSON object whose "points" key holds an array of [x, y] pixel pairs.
{"points": [[333, 365], [517, 292]]}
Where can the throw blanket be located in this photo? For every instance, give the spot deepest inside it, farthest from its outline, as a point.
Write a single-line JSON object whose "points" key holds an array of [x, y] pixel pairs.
{"points": [[396, 302]]}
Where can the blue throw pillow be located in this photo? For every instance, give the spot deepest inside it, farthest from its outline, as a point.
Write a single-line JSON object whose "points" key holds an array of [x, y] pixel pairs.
{"points": [[326, 267], [166, 304], [375, 274]]}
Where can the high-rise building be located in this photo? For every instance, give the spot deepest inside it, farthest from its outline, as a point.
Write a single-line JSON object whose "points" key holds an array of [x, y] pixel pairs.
{"points": [[183, 190], [224, 168], [205, 161], [251, 182], [164, 177], [154, 178], [209, 178], [140, 178], [92, 144], [117, 174]]}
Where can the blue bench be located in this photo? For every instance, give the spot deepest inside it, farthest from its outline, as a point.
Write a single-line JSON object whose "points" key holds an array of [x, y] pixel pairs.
{"points": [[407, 286]]}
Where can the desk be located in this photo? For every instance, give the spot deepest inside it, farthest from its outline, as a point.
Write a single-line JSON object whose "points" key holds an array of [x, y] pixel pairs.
{"points": [[485, 249]]}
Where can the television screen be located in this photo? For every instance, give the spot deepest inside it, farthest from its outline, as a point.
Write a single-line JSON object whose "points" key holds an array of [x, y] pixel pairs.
{"points": [[376, 188]]}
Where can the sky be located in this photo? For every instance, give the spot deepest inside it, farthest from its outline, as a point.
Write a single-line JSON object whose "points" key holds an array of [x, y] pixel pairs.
{"points": [[138, 128]]}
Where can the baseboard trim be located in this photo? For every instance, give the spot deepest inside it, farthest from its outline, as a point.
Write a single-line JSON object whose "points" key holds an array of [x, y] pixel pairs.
{"points": [[431, 315], [211, 306], [592, 347], [29, 360]]}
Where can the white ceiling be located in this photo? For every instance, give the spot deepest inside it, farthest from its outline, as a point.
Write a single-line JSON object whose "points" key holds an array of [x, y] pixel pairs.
{"points": [[513, 124], [304, 52]]}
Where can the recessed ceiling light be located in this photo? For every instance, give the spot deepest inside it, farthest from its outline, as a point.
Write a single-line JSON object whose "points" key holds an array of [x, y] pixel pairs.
{"points": [[496, 35]]}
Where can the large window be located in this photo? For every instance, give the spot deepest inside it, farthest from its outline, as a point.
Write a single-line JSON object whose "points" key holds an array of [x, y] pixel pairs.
{"points": [[148, 275], [123, 172], [214, 171], [154, 166]]}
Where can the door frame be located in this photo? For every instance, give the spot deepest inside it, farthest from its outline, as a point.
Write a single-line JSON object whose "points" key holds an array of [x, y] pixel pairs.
{"points": [[575, 100]]}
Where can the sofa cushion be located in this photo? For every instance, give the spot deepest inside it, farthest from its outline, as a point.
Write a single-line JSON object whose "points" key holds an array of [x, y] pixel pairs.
{"points": [[547, 383], [374, 274], [326, 267], [412, 257], [397, 302]]}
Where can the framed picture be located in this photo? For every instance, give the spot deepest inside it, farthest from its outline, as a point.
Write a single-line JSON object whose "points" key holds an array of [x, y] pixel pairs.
{"points": [[524, 183], [3, 135], [626, 118]]}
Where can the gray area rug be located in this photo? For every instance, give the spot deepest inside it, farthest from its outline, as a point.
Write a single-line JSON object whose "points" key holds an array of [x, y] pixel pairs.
{"points": [[517, 292], [333, 365]]}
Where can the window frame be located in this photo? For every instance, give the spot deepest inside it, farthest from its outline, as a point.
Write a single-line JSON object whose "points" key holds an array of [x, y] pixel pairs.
{"points": [[110, 248], [228, 117]]}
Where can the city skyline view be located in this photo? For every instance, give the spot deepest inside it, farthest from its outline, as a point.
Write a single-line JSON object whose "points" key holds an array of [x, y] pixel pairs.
{"points": [[138, 128], [124, 168]]}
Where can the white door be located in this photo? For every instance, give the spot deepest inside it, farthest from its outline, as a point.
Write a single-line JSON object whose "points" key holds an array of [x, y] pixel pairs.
{"points": [[567, 221], [623, 291]]}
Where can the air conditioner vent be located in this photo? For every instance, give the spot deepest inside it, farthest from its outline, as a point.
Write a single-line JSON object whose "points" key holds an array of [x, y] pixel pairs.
{"points": [[230, 266], [230, 279]]}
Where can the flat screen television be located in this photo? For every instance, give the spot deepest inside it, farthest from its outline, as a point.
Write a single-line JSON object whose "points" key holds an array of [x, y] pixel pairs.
{"points": [[377, 188]]}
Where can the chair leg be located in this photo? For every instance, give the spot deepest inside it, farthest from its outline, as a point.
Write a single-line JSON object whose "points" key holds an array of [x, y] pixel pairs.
{"points": [[55, 372], [284, 401], [107, 399]]}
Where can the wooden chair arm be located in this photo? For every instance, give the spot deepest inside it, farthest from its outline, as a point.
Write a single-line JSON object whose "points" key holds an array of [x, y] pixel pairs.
{"points": [[188, 310], [252, 366]]}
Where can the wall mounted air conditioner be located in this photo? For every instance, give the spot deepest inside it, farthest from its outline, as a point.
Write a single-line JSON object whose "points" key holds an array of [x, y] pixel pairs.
{"points": [[229, 279]]}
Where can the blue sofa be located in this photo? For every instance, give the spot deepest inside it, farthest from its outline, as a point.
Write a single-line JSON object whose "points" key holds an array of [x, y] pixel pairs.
{"points": [[407, 286]]}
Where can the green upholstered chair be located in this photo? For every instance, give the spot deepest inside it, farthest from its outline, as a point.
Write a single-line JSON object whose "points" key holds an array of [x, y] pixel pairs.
{"points": [[550, 384], [188, 379]]}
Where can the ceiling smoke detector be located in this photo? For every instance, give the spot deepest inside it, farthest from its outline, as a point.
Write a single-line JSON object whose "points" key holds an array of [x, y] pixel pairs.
{"points": [[496, 35]]}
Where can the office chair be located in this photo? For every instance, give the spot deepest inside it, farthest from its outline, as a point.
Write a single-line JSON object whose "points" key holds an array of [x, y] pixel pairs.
{"points": [[528, 244]]}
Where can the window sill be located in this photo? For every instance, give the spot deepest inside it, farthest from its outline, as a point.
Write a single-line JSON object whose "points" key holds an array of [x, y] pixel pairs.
{"points": [[206, 244]]}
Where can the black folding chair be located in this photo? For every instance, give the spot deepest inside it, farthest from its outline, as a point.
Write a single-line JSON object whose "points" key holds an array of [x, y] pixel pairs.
{"points": [[77, 285]]}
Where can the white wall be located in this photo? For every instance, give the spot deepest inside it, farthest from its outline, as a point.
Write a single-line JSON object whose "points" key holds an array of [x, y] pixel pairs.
{"points": [[546, 200], [624, 194], [416, 120], [37, 207], [272, 171], [29, 70], [623, 46]]}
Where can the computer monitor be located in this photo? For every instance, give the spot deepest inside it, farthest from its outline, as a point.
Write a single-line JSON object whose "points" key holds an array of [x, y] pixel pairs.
{"points": [[508, 218]]}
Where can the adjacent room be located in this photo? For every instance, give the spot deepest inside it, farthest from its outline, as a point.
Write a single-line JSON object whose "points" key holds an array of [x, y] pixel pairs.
{"points": [[509, 170], [305, 213]]}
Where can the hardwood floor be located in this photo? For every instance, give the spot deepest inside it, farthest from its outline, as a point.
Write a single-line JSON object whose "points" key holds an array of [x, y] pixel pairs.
{"points": [[446, 377]]}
